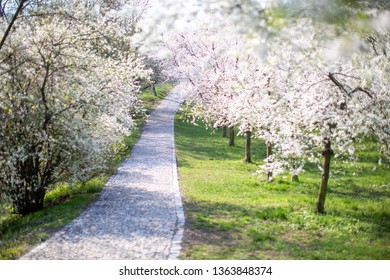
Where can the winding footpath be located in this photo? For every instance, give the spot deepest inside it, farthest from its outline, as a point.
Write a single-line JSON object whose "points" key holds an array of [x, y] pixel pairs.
{"points": [[139, 213]]}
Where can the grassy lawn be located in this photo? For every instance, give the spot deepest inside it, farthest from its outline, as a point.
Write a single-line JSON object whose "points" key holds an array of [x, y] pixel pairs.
{"points": [[231, 213], [18, 234]]}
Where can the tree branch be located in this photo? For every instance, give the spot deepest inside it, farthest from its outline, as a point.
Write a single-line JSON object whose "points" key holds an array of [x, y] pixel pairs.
{"points": [[8, 30], [337, 83], [366, 91], [343, 89]]}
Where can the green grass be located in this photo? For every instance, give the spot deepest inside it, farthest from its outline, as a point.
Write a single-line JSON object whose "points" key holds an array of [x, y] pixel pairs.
{"points": [[18, 234], [231, 213], [150, 101]]}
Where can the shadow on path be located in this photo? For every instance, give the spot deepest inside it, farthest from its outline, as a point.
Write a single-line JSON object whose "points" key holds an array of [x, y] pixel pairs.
{"points": [[138, 214]]}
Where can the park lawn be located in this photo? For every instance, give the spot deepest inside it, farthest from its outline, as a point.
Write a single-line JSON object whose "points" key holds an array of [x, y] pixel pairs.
{"points": [[19, 234], [232, 213]]}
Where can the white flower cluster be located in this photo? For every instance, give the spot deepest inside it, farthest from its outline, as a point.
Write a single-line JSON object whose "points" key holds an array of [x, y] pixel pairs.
{"points": [[305, 88], [68, 86]]}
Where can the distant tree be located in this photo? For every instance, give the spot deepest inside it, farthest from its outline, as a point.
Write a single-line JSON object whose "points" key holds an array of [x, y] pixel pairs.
{"points": [[306, 89]]}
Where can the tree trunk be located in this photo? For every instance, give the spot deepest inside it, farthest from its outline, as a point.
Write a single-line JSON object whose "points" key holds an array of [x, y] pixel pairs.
{"points": [[11, 24], [231, 136], [294, 177], [29, 201], [269, 153], [29, 190], [224, 131], [327, 153], [248, 147], [153, 88]]}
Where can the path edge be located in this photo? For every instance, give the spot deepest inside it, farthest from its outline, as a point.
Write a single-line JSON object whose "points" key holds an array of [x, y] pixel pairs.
{"points": [[180, 221]]}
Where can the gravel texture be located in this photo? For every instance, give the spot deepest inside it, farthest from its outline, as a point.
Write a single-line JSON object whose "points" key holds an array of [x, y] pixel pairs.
{"points": [[139, 213]]}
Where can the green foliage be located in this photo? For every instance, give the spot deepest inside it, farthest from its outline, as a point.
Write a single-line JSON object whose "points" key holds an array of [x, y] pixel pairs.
{"points": [[64, 191], [232, 213]]}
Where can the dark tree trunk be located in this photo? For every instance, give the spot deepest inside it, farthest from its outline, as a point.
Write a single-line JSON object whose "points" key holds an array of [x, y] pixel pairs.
{"points": [[248, 147], [224, 131], [327, 153], [269, 153], [30, 200], [11, 24], [29, 191], [153, 88], [231, 136]]}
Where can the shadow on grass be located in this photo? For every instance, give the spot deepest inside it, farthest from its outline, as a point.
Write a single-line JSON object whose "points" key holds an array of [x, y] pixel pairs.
{"points": [[277, 220], [349, 189], [200, 143], [232, 231], [19, 234]]}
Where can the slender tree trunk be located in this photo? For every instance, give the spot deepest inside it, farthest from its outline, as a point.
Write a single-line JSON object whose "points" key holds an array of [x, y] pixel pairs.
{"points": [[248, 146], [294, 177], [269, 153], [327, 153], [231, 136], [224, 131], [11, 24], [153, 88]]}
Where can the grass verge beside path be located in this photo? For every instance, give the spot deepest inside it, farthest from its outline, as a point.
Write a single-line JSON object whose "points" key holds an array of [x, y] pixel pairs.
{"points": [[18, 234], [233, 214]]}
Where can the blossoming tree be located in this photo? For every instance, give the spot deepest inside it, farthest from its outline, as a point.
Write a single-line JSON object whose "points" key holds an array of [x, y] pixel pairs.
{"points": [[307, 91], [68, 86]]}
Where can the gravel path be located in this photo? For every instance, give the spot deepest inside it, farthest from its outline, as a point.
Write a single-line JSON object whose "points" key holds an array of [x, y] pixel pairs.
{"points": [[139, 214]]}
